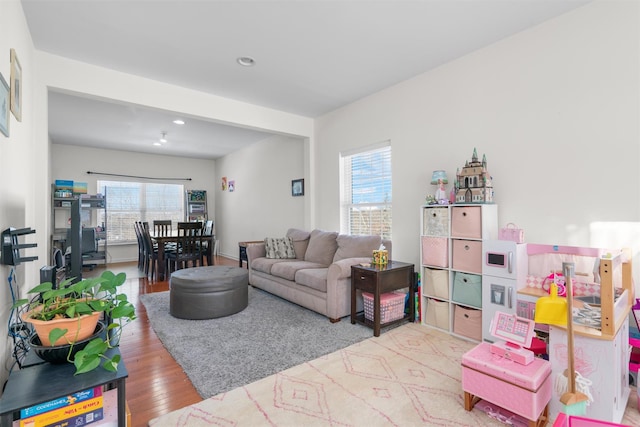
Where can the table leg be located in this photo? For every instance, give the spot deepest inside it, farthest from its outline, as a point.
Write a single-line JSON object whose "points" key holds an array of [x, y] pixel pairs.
{"points": [[376, 312], [122, 404], [353, 303], [161, 262]]}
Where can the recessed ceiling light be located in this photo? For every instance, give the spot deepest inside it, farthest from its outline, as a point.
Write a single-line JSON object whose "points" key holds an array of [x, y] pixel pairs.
{"points": [[246, 61], [157, 144], [178, 121]]}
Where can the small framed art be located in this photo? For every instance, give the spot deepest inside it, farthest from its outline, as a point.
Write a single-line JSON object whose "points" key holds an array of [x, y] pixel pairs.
{"points": [[4, 106], [16, 86], [297, 187]]}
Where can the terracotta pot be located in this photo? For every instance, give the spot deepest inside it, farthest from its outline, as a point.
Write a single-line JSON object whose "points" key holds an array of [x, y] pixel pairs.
{"points": [[78, 328]]}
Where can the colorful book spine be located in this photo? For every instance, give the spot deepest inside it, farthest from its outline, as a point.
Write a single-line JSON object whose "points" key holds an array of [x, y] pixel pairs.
{"points": [[61, 402], [62, 414], [82, 419]]}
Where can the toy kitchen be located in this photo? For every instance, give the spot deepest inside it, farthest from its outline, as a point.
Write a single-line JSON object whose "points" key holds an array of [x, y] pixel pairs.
{"points": [[515, 275]]}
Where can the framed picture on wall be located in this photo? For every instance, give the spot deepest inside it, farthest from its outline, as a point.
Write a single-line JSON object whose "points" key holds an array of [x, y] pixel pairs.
{"points": [[297, 187], [16, 86], [4, 106]]}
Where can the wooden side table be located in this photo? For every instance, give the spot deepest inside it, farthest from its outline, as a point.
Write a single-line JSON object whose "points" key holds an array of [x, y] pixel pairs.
{"points": [[378, 279], [242, 255]]}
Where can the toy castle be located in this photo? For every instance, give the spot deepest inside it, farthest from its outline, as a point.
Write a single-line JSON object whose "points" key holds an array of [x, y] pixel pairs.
{"points": [[473, 183]]}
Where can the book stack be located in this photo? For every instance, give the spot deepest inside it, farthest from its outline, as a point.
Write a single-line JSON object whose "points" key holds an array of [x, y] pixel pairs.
{"points": [[80, 408]]}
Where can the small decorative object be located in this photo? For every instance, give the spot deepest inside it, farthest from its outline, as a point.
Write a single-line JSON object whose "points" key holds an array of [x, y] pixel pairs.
{"points": [[16, 86], [439, 178], [224, 183], [297, 187], [511, 232], [87, 299], [4, 106], [473, 182], [380, 256], [232, 186]]}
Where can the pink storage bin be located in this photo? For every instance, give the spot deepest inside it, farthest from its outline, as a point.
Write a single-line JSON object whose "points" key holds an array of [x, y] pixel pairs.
{"points": [[522, 389], [466, 221], [467, 255], [467, 322], [391, 306], [435, 251]]}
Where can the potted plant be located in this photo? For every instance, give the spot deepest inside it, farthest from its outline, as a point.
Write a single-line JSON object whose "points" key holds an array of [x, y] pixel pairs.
{"points": [[59, 317]]}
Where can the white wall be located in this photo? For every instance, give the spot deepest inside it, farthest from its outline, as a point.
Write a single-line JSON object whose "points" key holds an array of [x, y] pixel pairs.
{"points": [[554, 108], [72, 163], [261, 204], [23, 161]]}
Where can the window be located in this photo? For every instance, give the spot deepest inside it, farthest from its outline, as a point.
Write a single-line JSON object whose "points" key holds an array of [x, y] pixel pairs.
{"points": [[366, 191], [128, 202]]}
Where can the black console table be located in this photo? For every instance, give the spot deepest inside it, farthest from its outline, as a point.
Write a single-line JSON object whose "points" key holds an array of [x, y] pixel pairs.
{"points": [[44, 382]]}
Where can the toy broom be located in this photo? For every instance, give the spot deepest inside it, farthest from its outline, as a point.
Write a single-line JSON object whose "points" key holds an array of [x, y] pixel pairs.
{"points": [[553, 310], [575, 402]]}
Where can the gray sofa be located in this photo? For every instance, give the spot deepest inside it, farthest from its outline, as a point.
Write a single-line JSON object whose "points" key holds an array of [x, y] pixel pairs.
{"points": [[319, 277]]}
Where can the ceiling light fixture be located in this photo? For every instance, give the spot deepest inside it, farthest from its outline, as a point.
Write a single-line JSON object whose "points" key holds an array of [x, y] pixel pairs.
{"points": [[178, 121], [157, 144], [246, 61], [164, 137]]}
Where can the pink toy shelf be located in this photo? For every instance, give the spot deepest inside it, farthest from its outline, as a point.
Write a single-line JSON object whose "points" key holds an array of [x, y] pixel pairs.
{"points": [[634, 342], [573, 421]]}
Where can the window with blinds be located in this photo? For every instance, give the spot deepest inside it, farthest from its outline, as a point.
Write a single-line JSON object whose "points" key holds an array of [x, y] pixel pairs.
{"points": [[128, 202], [366, 191]]}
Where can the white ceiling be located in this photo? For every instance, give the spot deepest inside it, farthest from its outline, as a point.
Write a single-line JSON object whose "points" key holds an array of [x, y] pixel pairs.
{"points": [[311, 56]]}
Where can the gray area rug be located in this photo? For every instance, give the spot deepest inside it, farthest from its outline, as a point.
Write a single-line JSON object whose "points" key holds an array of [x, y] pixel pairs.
{"points": [[270, 335]]}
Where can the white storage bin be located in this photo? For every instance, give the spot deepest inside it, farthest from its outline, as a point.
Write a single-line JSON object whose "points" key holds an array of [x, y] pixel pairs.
{"points": [[435, 221], [436, 283], [437, 313]]}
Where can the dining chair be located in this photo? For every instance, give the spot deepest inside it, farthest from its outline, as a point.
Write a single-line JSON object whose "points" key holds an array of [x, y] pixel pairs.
{"points": [[151, 254], [137, 227], [189, 250], [162, 227], [207, 242]]}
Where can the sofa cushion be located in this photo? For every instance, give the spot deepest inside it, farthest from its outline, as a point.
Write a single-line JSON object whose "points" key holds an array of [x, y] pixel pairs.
{"points": [[314, 278], [300, 240], [279, 247], [265, 264], [287, 269], [356, 246], [322, 247]]}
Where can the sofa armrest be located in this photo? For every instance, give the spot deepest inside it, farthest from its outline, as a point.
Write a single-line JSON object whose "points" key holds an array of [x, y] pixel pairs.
{"points": [[255, 250], [342, 269]]}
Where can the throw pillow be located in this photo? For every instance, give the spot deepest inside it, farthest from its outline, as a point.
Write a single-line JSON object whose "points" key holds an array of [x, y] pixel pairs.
{"points": [[300, 241], [279, 247], [322, 247], [356, 246]]}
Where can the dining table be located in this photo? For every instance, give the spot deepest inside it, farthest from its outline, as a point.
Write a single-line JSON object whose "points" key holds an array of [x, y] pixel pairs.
{"points": [[173, 237]]}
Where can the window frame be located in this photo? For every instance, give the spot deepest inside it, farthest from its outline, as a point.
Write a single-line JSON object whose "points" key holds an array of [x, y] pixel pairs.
{"points": [[378, 155], [173, 210]]}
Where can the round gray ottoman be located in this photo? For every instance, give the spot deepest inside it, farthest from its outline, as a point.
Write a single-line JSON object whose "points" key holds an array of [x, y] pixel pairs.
{"points": [[208, 292]]}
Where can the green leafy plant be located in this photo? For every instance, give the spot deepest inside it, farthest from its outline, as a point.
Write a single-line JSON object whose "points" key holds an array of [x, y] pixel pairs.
{"points": [[88, 296]]}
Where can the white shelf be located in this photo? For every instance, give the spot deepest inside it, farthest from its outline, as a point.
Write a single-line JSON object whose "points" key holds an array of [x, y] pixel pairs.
{"points": [[451, 239]]}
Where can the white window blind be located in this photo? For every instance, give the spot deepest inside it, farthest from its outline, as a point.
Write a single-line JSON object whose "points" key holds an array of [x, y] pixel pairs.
{"points": [[128, 202], [366, 191]]}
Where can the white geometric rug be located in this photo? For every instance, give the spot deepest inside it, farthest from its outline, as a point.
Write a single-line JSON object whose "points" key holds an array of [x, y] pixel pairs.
{"points": [[409, 376]]}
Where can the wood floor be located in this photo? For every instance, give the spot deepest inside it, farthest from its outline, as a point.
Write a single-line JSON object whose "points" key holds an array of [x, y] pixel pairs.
{"points": [[156, 384]]}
